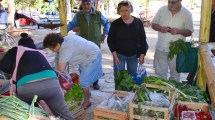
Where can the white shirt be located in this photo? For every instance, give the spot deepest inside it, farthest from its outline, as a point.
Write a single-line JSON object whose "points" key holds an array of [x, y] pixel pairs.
{"points": [[78, 51], [181, 20]]}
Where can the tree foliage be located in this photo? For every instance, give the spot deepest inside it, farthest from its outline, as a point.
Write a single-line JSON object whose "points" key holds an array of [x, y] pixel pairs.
{"points": [[27, 3]]}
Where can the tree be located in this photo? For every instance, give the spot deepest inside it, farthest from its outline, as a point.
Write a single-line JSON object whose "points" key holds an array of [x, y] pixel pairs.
{"points": [[27, 3], [11, 12]]}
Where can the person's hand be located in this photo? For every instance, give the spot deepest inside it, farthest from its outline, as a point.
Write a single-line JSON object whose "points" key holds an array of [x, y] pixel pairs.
{"points": [[116, 59], [141, 59], [164, 29], [102, 38], [174, 31]]}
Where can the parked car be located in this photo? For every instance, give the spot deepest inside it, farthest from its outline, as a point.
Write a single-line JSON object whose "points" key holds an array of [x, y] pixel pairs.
{"points": [[50, 15], [25, 19]]}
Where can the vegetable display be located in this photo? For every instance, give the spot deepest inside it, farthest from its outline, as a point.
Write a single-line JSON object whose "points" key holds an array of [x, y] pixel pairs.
{"points": [[148, 97], [176, 47], [186, 113], [187, 92], [123, 81], [74, 96], [13, 108]]}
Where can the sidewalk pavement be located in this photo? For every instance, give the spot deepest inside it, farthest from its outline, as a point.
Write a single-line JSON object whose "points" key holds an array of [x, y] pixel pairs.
{"points": [[107, 81]]}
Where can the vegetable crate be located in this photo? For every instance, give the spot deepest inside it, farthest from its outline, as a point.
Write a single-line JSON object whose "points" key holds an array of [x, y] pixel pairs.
{"points": [[168, 114], [194, 106], [101, 113], [78, 114]]}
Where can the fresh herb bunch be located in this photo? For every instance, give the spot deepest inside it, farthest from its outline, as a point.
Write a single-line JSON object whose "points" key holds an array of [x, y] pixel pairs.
{"points": [[176, 47]]}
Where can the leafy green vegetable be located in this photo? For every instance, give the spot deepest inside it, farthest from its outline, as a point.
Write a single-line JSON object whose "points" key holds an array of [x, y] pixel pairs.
{"points": [[142, 94], [14, 109], [187, 92], [176, 47], [123, 81], [74, 96]]}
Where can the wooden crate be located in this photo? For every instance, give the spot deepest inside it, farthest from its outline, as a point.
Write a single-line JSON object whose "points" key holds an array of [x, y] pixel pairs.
{"points": [[194, 106], [167, 111], [100, 112], [78, 114]]}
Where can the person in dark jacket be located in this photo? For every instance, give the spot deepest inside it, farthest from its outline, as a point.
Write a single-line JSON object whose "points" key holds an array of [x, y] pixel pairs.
{"points": [[127, 39], [32, 75], [212, 28]]}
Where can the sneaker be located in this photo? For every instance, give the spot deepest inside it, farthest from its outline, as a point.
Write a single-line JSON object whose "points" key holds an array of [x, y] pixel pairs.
{"points": [[96, 86]]}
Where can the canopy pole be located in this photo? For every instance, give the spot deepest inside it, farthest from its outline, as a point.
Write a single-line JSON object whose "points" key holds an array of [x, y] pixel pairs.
{"points": [[204, 37], [62, 11]]}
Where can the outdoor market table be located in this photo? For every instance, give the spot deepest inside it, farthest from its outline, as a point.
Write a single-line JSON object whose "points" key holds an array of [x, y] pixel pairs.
{"points": [[207, 61]]}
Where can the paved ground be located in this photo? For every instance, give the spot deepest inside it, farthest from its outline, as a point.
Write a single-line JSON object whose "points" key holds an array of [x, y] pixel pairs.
{"points": [[107, 82]]}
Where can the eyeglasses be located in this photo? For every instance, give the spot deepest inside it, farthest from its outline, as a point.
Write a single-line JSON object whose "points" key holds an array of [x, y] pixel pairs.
{"points": [[172, 2]]}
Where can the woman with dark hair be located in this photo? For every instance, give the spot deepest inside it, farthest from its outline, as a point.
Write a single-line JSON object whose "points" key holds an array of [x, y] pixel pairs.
{"points": [[127, 39], [32, 75], [26, 41], [76, 50]]}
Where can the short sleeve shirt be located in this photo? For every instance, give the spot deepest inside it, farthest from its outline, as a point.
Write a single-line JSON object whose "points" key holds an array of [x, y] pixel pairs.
{"points": [[78, 51], [181, 20]]}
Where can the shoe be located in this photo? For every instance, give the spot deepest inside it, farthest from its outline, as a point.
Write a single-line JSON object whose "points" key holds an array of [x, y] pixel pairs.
{"points": [[96, 86], [86, 107]]}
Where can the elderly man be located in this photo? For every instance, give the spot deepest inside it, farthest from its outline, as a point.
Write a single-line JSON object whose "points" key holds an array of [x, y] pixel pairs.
{"points": [[172, 22], [89, 22]]}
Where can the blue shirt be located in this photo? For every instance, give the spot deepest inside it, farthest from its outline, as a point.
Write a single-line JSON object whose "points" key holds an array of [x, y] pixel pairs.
{"points": [[104, 22]]}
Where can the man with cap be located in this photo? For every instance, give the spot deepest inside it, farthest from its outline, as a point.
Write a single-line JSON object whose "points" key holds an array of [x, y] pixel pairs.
{"points": [[89, 22]]}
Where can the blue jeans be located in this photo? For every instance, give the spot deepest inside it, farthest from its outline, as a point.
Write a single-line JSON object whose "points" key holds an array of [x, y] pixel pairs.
{"points": [[130, 61]]}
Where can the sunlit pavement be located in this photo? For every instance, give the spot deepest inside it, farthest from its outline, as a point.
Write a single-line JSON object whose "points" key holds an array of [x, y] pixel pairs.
{"points": [[107, 81]]}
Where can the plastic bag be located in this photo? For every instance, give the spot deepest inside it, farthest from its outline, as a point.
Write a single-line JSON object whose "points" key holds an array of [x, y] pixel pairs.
{"points": [[65, 80], [140, 74], [159, 99], [186, 62], [117, 103]]}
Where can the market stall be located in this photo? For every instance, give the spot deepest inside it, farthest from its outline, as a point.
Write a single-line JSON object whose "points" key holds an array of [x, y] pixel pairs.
{"points": [[207, 62]]}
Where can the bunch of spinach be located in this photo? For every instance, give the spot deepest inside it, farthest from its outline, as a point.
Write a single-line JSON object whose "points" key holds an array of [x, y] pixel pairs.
{"points": [[123, 81], [176, 47]]}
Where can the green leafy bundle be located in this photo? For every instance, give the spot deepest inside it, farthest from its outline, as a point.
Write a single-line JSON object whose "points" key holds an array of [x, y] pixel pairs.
{"points": [[187, 92], [176, 47], [123, 81], [14, 109], [74, 96]]}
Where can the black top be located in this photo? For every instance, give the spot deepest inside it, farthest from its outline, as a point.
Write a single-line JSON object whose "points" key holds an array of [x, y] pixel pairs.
{"points": [[30, 62], [127, 39], [212, 28]]}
